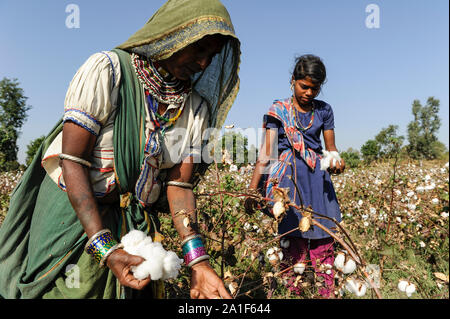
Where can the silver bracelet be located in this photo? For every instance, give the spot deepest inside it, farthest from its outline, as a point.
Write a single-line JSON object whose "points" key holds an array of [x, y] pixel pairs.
{"points": [[197, 260], [180, 184], [110, 251], [75, 159]]}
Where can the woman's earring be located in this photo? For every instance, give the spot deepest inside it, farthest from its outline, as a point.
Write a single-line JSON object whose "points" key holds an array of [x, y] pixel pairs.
{"points": [[292, 86]]}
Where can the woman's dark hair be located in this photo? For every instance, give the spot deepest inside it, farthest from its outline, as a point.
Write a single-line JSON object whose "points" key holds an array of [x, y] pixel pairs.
{"points": [[310, 66]]}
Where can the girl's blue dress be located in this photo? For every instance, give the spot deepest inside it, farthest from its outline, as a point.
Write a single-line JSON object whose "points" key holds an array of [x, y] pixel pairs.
{"points": [[315, 185]]}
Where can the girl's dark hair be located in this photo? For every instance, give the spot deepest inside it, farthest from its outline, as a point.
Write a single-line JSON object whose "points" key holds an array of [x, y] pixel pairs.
{"points": [[310, 66]]}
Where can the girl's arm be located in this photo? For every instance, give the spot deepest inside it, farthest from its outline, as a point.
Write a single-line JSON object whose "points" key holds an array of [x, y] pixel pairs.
{"points": [[329, 139], [266, 153]]}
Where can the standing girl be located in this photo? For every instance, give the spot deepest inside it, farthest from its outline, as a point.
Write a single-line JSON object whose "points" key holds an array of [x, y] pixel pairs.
{"points": [[298, 122]]}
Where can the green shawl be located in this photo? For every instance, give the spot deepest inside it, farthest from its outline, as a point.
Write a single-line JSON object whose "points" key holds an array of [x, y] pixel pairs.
{"points": [[41, 235]]}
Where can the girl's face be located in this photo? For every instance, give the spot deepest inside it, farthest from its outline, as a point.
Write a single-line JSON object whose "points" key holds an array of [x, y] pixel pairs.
{"points": [[194, 58], [305, 91]]}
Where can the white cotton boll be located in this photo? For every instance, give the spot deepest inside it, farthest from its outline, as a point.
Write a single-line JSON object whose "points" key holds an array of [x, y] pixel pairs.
{"points": [[420, 189], [402, 284], [349, 267], [284, 243], [410, 289], [299, 268], [339, 261], [444, 214], [435, 201], [280, 255], [325, 160], [356, 287], [360, 202], [278, 209], [409, 194], [328, 158], [247, 226], [269, 252]]}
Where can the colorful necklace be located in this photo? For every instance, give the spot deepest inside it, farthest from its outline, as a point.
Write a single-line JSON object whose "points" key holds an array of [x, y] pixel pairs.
{"points": [[298, 123], [172, 91], [158, 120]]}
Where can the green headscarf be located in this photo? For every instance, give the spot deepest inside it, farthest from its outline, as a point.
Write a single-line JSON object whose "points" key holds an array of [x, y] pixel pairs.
{"points": [[179, 23]]}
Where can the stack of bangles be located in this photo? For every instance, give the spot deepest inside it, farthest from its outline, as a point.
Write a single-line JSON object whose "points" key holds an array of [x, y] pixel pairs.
{"points": [[193, 250], [101, 245]]}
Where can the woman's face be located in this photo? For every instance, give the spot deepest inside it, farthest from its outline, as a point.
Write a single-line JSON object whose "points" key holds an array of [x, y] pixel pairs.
{"points": [[194, 58], [305, 91]]}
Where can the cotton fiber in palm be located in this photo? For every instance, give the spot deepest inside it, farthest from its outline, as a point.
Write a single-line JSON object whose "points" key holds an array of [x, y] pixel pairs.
{"points": [[159, 263]]}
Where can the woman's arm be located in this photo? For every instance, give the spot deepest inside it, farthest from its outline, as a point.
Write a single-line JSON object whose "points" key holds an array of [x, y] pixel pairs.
{"points": [[204, 282], [79, 143], [329, 139]]}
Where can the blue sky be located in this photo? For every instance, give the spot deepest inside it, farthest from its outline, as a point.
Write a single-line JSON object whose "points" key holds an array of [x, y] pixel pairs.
{"points": [[374, 74]]}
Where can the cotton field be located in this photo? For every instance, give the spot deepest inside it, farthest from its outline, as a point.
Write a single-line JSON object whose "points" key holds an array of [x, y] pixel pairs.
{"points": [[395, 215]]}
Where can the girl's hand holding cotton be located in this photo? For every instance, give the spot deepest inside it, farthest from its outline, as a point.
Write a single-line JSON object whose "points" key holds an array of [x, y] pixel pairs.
{"points": [[159, 263], [329, 159]]}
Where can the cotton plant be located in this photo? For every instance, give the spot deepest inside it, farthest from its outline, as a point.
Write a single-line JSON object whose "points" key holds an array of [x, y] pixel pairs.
{"points": [[159, 263]]}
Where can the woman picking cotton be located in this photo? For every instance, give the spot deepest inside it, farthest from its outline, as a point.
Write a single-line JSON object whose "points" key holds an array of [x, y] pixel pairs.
{"points": [[294, 126], [130, 138]]}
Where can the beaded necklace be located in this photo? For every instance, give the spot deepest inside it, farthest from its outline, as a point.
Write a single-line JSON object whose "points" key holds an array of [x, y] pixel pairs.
{"points": [[298, 123], [168, 91], [158, 120]]}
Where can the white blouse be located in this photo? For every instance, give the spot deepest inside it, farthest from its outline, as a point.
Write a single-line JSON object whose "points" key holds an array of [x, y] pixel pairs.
{"points": [[91, 102]]}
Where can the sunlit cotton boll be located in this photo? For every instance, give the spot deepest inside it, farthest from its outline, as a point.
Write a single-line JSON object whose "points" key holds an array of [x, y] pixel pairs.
{"points": [[274, 255], [349, 267], [339, 260], [278, 209], [299, 268], [410, 289], [356, 287], [346, 266], [402, 284]]}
